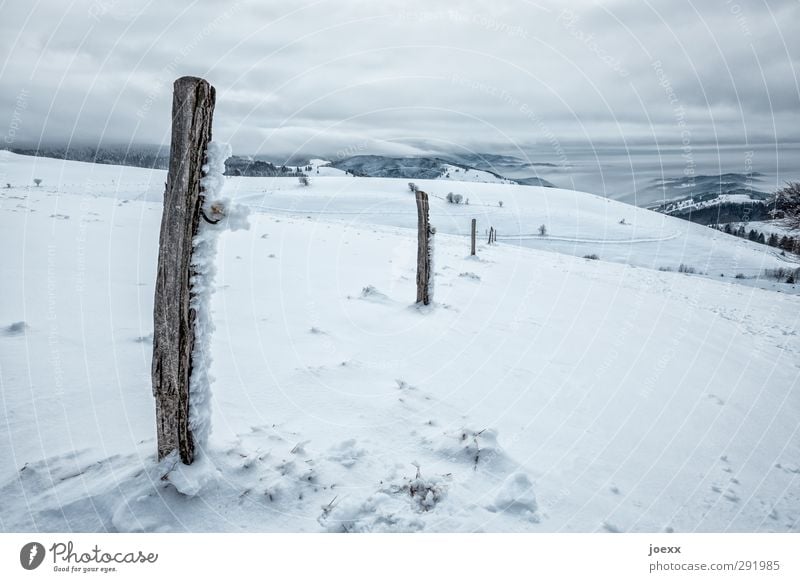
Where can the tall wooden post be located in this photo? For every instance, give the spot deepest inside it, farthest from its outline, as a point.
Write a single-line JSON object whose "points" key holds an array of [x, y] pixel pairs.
{"points": [[424, 273], [474, 233], [173, 333]]}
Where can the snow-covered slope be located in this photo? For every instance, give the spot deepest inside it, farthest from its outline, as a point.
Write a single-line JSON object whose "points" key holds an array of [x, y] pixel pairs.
{"points": [[460, 174], [541, 392]]}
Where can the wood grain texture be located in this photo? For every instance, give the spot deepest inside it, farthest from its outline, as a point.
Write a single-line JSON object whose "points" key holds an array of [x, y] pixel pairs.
{"points": [[173, 318], [474, 232], [423, 248]]}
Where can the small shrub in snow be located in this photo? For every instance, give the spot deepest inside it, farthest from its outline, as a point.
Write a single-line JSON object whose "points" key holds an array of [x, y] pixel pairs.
{"points": [[454, 198], [304, 181], [542, 230], [592, 257], [740, 276], [37, 181], [425, 493], [17, 328], [686, 269], [470, 275], [623, 221], [412, 187], [500, 203]]}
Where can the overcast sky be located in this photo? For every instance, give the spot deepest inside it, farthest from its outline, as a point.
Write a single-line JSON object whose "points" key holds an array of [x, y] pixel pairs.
{"points": [[342, 77]]}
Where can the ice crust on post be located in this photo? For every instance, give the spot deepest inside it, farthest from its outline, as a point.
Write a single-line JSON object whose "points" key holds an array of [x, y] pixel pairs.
{"points": [[219, 215]]}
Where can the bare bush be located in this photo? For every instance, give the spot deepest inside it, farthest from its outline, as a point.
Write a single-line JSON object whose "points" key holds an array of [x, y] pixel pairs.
{"points": [[783, 274], [786, 205]]}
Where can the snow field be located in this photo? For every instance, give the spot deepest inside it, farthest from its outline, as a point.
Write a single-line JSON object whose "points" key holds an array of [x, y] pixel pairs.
{"points": [[541, 392]]}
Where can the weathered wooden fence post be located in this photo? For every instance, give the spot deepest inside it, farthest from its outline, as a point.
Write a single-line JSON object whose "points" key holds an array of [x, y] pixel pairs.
{"points": [[173, 333], [474, 232], [424, 233]]}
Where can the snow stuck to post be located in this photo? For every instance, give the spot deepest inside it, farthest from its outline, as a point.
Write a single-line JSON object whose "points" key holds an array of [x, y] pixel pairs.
{"points": [[431, 233], [219, 214]]}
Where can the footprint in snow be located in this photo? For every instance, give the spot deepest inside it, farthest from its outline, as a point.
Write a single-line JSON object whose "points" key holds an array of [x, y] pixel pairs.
{"points": [[371, 293], [346, 453], [516, 496]]}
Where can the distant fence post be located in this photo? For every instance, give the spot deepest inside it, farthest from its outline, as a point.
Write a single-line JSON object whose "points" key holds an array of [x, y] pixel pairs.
{"points": [[473, 234], [424, 273], [173, 333]]}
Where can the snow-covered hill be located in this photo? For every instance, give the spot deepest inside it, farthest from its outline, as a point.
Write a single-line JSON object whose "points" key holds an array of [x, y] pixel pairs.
{"points": [[541, 391], [415, 168]]}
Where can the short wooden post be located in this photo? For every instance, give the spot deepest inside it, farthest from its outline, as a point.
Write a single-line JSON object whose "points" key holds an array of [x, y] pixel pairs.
{"points": [[474, 232], [173, 333], [424, 273]]}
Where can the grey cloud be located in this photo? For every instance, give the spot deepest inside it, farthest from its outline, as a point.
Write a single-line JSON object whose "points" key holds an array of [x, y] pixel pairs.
{"points": [[325, 77]]}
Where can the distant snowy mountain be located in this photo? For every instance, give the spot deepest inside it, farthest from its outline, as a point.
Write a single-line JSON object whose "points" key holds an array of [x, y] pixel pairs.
{"points": [[712, 199], [140, 156], [415, 168], [535, 181], [375, 166]]}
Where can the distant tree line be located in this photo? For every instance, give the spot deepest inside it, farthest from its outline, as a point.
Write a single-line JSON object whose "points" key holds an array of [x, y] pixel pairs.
{"points": [[725, 212], [239, 166], [789, 244], [138, 156]]}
